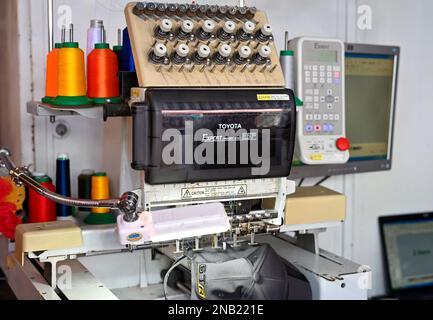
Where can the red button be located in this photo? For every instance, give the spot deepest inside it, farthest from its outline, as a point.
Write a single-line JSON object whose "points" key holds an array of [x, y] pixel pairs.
{"points": [[342, 144]]}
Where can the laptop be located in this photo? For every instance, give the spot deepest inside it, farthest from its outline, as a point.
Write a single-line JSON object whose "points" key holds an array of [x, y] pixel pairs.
{"points": [[407, 243]]}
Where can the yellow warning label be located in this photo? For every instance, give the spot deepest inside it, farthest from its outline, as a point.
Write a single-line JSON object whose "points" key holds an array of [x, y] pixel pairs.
{"points": [[316, 157], [273, 97]]}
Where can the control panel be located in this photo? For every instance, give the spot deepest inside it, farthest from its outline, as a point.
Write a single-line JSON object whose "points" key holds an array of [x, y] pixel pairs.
{"points": [[321, 134]]}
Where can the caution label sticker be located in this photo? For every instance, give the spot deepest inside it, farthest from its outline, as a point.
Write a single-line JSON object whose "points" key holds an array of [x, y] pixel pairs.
{"points": [[273, 97], [214, 191]]}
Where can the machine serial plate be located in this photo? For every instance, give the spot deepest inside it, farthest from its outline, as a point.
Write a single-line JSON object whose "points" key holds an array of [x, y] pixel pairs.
{"points": [[214, 191]]}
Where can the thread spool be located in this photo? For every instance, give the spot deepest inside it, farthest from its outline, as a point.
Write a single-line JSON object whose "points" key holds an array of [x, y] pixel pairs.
{"points": [[100, 191], [287, 64], [71, 75], [102, 80], [126, 57], [40, 208], [63, 184], [118, 48], [85, 186], [94, 34], [51, 78]]}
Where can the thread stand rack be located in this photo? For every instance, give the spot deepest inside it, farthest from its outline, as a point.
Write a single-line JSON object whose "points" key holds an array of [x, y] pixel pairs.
{"points": [[37, 108]]}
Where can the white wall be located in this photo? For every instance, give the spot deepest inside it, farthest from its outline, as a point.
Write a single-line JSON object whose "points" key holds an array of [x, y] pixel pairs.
{"points": [[93, 144]]}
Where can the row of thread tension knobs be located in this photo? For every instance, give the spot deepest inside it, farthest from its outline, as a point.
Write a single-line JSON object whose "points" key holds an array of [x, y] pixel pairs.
{"points": [[152, 9], [206, 36]]}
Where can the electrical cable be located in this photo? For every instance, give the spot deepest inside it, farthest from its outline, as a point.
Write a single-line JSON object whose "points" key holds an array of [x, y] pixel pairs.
{"points": [[167, 275]]}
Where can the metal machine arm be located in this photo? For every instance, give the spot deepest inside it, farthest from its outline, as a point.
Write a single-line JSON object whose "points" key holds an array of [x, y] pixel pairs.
{"points": [[127, 204]]}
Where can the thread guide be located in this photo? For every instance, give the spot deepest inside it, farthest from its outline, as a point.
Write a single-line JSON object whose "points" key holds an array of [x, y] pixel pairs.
{"points": [[205, 74]]}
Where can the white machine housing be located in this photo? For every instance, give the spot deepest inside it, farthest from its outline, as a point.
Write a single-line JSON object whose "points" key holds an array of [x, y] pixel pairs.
{"points": [[319, 83]]}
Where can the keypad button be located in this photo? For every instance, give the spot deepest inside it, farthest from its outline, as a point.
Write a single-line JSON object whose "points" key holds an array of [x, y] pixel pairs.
{"points": [[329, 98], [309, 105], [316, 98], [317, 127], [314, 67], [307, 80], [336, 68], [308, 117], [325, 117], [337, 99], [322, 68], [322, 80], [308, 99], [329, 92], [315, 80], [329, 80], [316, 106], [336, 74], [336, 117], [309, 128], [322, 99], [317, 117], [328, 68], [308, 73], [309, 91], [331, 117], [316, 91]]}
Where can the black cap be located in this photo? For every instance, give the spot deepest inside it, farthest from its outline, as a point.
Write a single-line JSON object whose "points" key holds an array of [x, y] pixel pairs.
{"points": [[245, 273]]}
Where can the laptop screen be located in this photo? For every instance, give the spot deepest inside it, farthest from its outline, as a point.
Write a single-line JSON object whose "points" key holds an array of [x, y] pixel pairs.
{"points": [[408, 245]]}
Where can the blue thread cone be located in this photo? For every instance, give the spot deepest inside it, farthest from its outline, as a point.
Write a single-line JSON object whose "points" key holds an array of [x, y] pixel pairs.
{"points": [[126, 57], [63, 184]]}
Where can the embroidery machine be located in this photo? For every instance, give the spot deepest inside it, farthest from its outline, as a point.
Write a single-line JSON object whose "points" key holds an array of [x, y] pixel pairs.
{"points": [[197, 69]]}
